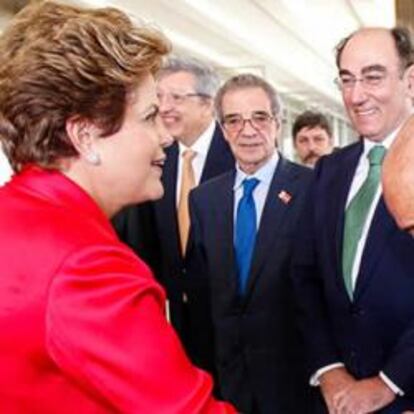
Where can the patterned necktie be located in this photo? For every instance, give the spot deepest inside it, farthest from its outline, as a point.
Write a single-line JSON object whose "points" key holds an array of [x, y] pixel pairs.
{"points": [[187, 184], [245, 232], [356, 214]]}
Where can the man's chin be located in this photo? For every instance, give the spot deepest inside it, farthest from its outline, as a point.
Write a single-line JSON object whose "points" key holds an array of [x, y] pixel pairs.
{"points": [[311, 161], [173, 129]]}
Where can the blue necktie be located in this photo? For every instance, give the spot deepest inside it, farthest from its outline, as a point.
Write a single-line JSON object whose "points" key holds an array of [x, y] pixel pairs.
{"points": [[245, 232]]}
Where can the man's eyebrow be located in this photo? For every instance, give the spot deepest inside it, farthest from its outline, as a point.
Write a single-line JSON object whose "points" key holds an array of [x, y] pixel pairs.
{"points": [[372, 68], [366, 69], [345, 72]]}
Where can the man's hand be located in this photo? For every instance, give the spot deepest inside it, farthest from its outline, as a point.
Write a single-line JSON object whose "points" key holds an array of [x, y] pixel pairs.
{"points": [[364, 396], [332, 383]]}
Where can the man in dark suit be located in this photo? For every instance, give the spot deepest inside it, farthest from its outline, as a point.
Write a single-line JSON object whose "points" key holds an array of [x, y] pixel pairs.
{"points": [[353, 271], [186, 88], [257, 351]]}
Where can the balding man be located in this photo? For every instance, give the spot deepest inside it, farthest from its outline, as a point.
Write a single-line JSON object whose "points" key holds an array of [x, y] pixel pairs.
{"points": [[353, 271]]}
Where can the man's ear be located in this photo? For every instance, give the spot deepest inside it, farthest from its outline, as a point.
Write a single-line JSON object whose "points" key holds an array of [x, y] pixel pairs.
{"points": [[278, 124], [83, 135], [225, 134], [208, 106]]}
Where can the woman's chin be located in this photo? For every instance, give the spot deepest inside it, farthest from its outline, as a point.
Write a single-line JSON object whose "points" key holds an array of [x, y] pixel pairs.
{"points": [[156, 192], [153, 193]]}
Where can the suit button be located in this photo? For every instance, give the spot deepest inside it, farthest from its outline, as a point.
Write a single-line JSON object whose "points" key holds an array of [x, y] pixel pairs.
{"points": [[185, 297]]}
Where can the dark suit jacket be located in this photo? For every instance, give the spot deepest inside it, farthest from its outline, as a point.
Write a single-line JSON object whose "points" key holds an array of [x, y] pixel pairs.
{"points": [[257, 351], [375, 331], [151, 229]]}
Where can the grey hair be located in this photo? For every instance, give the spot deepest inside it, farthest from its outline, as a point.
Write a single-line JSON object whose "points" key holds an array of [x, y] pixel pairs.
{"points": [[207, 81], [246, 81]]}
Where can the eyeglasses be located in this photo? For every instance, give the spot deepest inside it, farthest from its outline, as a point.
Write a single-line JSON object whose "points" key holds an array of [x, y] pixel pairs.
{"points": [[368, 80], [180, 98], [235, 123]]}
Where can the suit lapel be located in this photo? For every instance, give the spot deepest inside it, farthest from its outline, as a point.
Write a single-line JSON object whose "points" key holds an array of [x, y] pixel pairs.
{"points": [[166, 206], [338, 197], [382, 227], [273, 218], [223, 220], [219, 157]]}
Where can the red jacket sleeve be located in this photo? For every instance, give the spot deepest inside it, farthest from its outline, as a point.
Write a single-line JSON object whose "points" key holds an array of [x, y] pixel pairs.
{"points": [[106, 329]]}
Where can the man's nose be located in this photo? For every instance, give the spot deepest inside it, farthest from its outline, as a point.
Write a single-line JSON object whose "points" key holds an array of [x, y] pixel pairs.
{"points": [[358, 93], [248, 127], [165, 138], [164, 102], [312, 145]]}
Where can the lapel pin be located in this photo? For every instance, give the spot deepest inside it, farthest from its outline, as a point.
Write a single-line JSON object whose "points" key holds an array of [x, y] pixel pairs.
{"points": [[284, 197]]}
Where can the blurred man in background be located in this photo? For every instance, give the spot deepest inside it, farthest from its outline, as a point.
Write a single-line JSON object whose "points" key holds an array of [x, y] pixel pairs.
{"points": [[312, 137], [159, 231]]}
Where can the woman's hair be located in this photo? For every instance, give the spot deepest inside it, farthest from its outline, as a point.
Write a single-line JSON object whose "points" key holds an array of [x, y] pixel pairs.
{"points": [[59, 62]]}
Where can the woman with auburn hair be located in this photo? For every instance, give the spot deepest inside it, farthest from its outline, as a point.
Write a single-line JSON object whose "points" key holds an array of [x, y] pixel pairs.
{"points": [[81, 317]]}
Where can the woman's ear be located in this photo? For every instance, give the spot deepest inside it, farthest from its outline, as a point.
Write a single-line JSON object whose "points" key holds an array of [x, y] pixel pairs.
{"points": [[83, 135]]}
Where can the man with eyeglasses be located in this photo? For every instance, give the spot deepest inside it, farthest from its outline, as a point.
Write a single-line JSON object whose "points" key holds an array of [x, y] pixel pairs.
{"points": [[353, 268], [243, 225], [158, 231]]}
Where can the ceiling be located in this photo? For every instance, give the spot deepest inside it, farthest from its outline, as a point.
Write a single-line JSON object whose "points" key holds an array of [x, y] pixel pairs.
{"points": [[290, 42]]}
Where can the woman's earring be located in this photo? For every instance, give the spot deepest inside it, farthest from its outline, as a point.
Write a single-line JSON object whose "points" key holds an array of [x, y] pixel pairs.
{"points": [[93, 158]]}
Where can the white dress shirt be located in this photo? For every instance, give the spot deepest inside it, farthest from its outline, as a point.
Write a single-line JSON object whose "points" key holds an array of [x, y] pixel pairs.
{"points": [[264, 174], [201, 147], [360, 175], [5, 168]]}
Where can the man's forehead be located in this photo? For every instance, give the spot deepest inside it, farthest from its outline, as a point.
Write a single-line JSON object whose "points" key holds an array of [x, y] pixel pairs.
{"points": [[369, 47], [313, 130], [252, 97], [176, 79]]}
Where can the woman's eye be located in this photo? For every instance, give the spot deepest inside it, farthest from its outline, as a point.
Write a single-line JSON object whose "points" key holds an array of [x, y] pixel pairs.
{"points": [[152, 116]]}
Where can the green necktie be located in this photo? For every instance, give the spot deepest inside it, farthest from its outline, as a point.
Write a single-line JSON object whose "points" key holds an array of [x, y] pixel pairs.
{"points": [[356, 214]]}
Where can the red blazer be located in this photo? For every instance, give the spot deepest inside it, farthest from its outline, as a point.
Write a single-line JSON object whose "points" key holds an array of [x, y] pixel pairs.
{"points": [[81, 318]]}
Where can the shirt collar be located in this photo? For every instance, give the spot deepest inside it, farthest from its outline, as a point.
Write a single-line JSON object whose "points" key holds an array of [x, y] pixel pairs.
{"points": [[263, 174], [202, 143], [386, 142]]}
